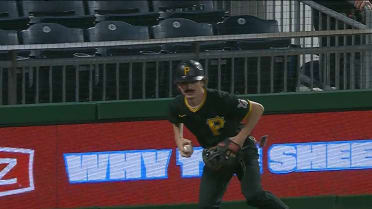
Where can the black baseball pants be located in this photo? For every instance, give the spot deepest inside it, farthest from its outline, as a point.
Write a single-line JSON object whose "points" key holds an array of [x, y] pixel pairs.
{"points": [[214, 183]]}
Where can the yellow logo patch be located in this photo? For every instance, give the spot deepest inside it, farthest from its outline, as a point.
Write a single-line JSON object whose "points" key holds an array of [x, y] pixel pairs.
{"points": [[186, 70], [215, 124]]}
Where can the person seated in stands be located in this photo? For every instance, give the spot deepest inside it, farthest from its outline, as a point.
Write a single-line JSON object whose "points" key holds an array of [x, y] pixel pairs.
{"points": [[352, 9], [344, 7], [360, 4]]}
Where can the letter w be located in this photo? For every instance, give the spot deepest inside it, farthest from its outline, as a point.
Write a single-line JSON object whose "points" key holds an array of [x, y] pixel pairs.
{"points": [[85, 168]]}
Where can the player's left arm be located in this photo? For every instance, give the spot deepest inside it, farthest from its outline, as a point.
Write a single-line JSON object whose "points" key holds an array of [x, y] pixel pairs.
{"points": [[253, 116]]}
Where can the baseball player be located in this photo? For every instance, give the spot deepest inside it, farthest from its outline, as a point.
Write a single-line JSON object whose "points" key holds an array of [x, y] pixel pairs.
{"points": [[215, 118]]}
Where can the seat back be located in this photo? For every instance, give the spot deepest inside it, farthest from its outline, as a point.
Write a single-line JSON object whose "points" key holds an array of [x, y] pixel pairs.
{"points": [[118, 7], [246, 24], [180, 27], [53, 8], [8, 37], [117, 30], [8, 9], [10, 18], [186, 5], [51, 33]]}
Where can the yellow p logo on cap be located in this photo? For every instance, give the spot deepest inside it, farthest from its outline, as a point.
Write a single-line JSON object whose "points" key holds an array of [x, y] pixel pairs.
{"points": [[186, 70]]}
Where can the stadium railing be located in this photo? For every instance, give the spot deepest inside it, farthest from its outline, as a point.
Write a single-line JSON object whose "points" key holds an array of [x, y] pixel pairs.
{"points": [[307, 67]]}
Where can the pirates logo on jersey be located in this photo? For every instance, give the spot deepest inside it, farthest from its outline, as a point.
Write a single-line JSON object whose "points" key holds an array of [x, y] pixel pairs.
{"points": [[242, 103], [215, 124]]}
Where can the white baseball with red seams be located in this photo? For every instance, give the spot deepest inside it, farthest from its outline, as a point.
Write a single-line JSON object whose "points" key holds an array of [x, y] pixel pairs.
{"points": [[187, 148]]}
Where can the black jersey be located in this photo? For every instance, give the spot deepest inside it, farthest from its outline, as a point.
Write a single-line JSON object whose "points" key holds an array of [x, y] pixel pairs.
{"points": [[219, 116]]}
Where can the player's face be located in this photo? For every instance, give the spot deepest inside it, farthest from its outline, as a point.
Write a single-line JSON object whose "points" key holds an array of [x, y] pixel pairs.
{"points": [[191, 89]]}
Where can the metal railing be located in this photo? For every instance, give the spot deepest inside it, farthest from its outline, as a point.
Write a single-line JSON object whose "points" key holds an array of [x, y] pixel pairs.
{"points": [[319, 60], [150, 76]]}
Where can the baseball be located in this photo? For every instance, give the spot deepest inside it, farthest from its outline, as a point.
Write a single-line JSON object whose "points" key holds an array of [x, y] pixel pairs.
{"points": [[187, 148]]}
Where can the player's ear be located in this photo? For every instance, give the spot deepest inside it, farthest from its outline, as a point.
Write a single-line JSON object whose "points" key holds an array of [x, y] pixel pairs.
{"points": [[205, 82], [178, 87]]}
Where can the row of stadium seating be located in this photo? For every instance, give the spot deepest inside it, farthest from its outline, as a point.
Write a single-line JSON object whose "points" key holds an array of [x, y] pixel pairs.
{"points": [[83, 13], [49, 33], [91, 21]]}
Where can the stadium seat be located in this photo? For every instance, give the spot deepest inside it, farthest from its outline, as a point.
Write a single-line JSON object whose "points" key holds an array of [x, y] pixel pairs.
{"points": [[7, 37], [247, 24], [68, 13], [310, 75], [116, 31], [199, 10], [52, 33], [133, 12], [10, 37], [160, 5], [10, 19], [180, 27]]}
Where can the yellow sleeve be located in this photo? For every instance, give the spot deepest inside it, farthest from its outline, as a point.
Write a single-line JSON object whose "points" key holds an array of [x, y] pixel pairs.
{"points": [[248, 113]]}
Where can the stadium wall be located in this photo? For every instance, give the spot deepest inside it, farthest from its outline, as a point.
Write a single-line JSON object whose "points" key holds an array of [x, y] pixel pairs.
{"points": [[41, 147], [134, 110]]}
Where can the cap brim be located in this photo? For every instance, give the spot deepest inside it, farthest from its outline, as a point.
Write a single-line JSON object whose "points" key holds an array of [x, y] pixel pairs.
{"points": [[186, 79]]}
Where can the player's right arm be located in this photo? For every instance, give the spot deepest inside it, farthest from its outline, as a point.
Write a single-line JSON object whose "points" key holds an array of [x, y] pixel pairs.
{"points": [[177, 123], [180, 141]]}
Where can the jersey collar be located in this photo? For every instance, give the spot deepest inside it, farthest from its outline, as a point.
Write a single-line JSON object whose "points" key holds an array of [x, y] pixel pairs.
{"points": [[196, 108]]}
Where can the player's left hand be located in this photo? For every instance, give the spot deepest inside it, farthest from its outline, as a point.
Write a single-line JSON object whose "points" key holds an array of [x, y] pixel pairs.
{"points": [[231, 145], [222, 155], [236, 141]]}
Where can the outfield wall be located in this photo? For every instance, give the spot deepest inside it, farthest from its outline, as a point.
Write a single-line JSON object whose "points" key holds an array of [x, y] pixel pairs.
{"points": [[123, 154]]}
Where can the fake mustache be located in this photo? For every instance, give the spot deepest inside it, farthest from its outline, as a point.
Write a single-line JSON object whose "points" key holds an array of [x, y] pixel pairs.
{"points": [[189, 90]]}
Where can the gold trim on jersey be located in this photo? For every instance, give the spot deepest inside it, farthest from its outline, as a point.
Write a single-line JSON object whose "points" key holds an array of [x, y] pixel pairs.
{"points": [[196, 108], [249, 112]]}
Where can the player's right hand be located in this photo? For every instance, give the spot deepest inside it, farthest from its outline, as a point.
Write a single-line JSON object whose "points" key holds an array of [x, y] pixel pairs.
{"points": [[181, 147]]}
